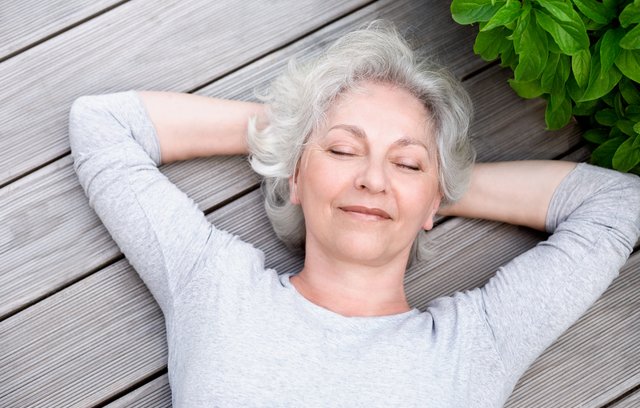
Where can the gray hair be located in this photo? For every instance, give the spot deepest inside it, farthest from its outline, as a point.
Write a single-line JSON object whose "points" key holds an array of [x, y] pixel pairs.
{"points": [[299, 98]]}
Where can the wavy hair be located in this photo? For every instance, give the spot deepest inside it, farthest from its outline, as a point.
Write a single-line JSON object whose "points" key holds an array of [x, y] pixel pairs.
{"points": [[299, 98]]}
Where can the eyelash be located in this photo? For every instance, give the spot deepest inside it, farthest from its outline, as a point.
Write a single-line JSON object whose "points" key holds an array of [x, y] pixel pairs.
{"points": [[401, 165], [408, 167]]}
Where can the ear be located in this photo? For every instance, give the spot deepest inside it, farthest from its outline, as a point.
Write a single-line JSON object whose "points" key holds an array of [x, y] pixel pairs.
{"points": [[428, 225], [293, 189]]}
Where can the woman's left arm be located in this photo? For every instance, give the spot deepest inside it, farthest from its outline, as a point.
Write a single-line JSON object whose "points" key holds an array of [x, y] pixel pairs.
{"points": [[516, 192], [594, 215]]}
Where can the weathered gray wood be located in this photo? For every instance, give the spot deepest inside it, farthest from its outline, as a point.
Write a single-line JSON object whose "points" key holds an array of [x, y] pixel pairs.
{"points": [[71, 239], [170, 45], [156, 394], [84, 344], [23, 23], [631, 401]]}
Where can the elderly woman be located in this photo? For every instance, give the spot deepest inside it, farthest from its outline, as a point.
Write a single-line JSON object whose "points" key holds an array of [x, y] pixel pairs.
{"points": [[359, 150]]}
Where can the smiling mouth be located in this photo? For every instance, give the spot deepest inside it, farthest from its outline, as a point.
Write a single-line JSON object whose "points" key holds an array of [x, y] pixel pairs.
{"points": [[374, 214]]}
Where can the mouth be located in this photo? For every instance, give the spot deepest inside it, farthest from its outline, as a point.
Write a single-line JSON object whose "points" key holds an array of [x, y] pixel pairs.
{"points": [[372, 214]]}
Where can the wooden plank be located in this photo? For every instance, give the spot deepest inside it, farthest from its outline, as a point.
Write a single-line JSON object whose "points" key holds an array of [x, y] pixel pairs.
{"points": [[156, 394], [170, 45], [47, 210], [631, 401], [23, 23], [83, 345]]}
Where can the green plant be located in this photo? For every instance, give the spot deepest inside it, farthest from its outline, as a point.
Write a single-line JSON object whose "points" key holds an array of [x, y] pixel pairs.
{"points": [[581, 56]]}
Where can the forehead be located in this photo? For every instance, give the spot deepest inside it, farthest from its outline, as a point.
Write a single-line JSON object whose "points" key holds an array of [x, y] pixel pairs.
{"points": [[382, 108]]}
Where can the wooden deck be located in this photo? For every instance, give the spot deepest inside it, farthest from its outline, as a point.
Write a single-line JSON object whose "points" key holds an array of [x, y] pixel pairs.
{"points": [[77, 326]]}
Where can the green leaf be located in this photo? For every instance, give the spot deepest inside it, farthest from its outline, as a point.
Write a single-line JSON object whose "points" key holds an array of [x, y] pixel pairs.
{"points": [[520, 25], [608, 99], [571, 36], [472, 11], [626, 127], [628, 62], [489, 44], [506, 15], [629, 91], [556, 72], [532, 52], [636, 128], [563, 72], [631, 40], [616, 133], [558, 114], [609, 48], [633, 113], [627, 156], [508, 58], [597, 136], [549, 73], [580, 63], [600, 83], [528, 89], [558, 90], [606, 117], [560, 10], [603, 155], [585, 108], [597, 12], [630, 14], [617, 105]]}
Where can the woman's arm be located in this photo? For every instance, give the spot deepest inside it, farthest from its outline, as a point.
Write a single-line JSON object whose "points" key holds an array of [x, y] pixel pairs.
{"points": [[516, 192], [116, 151], [594, 215], [190, 126]]}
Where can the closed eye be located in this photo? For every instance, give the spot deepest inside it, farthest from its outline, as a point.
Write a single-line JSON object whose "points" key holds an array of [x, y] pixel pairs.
{"points": [[408, 166], [341, 152]]}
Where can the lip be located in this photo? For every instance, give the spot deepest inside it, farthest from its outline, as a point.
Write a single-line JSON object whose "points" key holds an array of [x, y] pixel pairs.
{"points": [[366, 212]]}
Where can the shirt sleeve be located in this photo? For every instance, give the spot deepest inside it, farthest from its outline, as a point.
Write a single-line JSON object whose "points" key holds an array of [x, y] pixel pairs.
{"points": [[594, 216], [116, 153]]}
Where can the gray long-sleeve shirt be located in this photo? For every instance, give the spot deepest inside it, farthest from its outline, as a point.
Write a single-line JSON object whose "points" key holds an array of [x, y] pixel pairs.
{"points": [[240, 335]]}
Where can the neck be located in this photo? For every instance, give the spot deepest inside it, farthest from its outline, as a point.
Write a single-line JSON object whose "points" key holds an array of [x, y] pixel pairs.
{"points": [[351, 288]]}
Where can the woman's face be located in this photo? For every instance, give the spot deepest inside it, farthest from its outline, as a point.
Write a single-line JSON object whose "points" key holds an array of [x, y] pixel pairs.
{"points": [[367, 181]]}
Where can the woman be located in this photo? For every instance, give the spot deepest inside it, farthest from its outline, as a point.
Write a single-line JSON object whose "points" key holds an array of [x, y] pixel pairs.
{"points": [[359, 150]]}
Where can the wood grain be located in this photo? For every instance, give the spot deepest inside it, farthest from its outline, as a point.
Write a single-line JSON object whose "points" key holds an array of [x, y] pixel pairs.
{"points": [[27, 22]]}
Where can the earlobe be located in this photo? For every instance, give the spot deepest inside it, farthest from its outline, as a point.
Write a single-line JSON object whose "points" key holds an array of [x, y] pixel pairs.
{"points": [[428, 225]]}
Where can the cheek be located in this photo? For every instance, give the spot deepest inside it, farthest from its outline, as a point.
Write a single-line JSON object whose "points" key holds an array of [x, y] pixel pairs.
{"points": [[318, 180], [418, 199]]}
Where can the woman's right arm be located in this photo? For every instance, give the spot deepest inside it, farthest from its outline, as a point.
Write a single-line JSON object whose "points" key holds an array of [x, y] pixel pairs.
{"points": [[190, 126], [117, 150]]}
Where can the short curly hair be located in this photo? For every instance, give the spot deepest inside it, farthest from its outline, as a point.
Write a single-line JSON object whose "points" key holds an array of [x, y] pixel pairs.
{"points": [[300, 97]]}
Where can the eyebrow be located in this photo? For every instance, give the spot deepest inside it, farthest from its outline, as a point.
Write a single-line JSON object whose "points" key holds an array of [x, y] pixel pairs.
{"points": [[361, 134]]}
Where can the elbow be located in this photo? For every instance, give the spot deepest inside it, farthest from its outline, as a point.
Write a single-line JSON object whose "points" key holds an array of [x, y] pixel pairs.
{"points": [[83, 109]]}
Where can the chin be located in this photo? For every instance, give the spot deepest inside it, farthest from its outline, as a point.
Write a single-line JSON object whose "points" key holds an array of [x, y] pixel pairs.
{"points": [[364, 249]]}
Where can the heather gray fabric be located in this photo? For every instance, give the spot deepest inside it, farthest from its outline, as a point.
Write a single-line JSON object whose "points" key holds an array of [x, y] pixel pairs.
{"points": [[242, 336]]}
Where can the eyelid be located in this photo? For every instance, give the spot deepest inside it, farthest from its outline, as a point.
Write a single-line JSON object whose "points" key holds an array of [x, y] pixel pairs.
{"points": [[342, 149], [409, 166], [408, 162]]}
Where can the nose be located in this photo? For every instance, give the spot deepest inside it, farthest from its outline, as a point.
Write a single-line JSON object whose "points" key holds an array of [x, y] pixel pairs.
{"points": [[372, 177]]}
